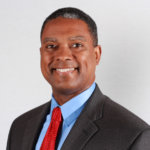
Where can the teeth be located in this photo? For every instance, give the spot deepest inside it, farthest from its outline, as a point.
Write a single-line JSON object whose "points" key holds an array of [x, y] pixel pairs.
{"points": [[65, 70]]}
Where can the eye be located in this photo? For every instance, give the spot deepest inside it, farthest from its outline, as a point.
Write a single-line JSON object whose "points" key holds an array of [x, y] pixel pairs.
{"points": [[76, 45], [51, 46]]}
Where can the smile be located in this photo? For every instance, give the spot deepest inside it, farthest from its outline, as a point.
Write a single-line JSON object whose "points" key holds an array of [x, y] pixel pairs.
{"points": [[65, 69]]}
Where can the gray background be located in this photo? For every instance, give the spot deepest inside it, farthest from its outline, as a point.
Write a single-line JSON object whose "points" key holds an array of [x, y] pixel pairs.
{"points": [[123, 73]]}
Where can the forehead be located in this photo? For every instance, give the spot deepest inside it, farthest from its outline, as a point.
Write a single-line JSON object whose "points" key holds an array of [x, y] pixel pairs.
{"points": [[66, 27]]}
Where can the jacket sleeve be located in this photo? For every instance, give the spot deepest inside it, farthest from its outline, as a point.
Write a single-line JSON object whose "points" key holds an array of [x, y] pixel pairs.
{"points": [[9, 140], [142, 142]]}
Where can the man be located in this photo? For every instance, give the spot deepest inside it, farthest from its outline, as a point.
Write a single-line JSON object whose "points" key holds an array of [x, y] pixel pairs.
{"points": [[89, 120]]}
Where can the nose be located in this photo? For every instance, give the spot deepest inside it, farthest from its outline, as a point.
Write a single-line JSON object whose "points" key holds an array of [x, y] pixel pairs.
{"points": [[64, 53]]}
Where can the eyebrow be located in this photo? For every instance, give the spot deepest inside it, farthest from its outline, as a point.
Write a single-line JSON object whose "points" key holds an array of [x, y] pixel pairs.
{"points": [[77, 38], [49, 39]]}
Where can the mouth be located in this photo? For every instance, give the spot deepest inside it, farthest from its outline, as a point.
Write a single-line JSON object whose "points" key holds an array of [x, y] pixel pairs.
{"points": [[64, 70]]}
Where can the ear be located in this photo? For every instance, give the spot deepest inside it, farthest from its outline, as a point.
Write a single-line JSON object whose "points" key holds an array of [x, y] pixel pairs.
{"points": [[98, 53]]}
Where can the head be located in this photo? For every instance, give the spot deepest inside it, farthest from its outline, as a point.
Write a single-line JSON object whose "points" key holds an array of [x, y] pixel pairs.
{"points": [[74, 13], [69, 51]]}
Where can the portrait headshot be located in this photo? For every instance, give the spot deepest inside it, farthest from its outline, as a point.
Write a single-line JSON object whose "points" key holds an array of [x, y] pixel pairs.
{"points": [[75, 77]]}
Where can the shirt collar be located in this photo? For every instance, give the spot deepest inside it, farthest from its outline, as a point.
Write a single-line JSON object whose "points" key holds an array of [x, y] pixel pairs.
{"points": [[72, 108]]}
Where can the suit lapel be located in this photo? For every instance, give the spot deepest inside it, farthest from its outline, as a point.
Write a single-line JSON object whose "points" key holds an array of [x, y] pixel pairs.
{"points": [[85, 128], [33, 128], [79, 135]]}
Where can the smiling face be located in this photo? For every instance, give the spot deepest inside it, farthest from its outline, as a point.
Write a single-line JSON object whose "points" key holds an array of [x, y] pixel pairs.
{"points": [[68, 57]]}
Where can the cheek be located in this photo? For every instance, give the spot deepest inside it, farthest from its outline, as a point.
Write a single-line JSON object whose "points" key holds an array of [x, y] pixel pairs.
{"points": [[90, 66], [45, 60], [89, 61]]}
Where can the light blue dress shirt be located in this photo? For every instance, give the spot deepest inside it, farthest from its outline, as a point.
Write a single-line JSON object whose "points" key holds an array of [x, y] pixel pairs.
{"points": [[70, 112]]}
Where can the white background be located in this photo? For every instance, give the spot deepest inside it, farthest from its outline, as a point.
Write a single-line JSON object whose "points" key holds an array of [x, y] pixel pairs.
{"points": [[123, 73]]}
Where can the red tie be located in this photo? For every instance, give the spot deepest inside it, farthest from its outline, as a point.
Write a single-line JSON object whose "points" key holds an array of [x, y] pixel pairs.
{"points": [[52, 132]]}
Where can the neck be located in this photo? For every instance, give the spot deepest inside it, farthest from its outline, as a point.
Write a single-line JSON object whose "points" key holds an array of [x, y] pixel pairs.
{"points": [[64, 96], [61, 99]]}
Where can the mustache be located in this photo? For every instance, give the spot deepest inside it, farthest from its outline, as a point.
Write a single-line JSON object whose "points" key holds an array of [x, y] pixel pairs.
{"points": [[63, 64]]}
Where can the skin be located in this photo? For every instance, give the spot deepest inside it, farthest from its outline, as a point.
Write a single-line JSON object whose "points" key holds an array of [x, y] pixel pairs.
{"points": [[68, 44]]}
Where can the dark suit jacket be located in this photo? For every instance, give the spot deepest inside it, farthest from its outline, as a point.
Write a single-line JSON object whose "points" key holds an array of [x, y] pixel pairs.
{"points": [[102, 125]]}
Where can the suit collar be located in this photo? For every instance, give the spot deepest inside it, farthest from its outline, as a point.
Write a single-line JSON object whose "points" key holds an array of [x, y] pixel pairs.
{"points": [[94, 107], [85, 128], [82, 131]]}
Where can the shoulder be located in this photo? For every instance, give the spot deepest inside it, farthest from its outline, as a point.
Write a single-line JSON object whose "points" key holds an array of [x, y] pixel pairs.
{"points": [[26, 125], [112, 111], [116, 112], [124, 125], [33, 113], [118, 126]]}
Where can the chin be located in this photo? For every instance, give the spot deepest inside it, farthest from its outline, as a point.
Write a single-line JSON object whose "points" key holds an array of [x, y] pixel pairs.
{"points": [[66, 89]]}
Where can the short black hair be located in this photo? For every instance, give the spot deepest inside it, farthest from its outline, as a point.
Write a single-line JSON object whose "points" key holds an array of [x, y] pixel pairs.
{"points": [[74, 13]]}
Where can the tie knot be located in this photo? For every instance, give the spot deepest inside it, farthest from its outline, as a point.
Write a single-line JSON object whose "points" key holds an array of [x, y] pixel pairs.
{"points": [[56, 114]]}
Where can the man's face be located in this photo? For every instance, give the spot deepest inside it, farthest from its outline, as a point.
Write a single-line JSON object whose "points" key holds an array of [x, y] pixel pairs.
{"points": [[68, 57]]}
